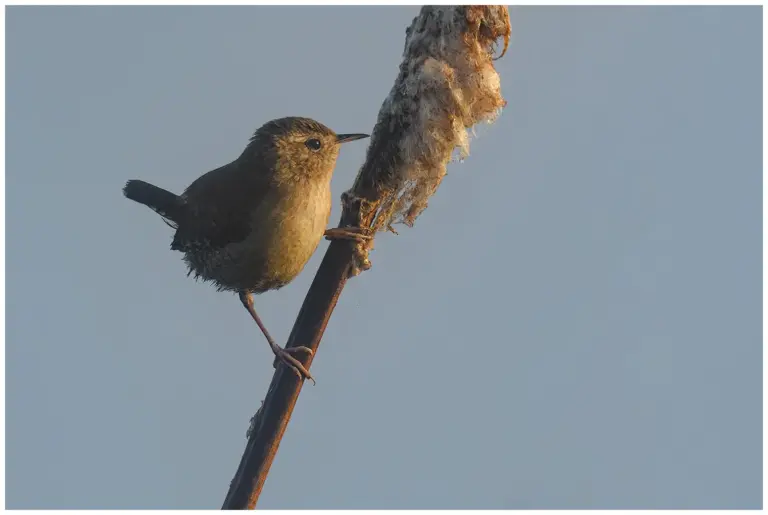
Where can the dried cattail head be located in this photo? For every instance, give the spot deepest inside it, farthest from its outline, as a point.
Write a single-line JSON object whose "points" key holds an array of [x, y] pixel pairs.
{"points": [[446, 85]]}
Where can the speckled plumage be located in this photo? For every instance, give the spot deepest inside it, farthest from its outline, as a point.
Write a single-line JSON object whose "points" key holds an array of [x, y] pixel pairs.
{"points": [[280, 232], [252, 225]]}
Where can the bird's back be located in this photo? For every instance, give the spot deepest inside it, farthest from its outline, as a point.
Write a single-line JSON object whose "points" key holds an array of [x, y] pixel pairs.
{"points": [[217, 207]]}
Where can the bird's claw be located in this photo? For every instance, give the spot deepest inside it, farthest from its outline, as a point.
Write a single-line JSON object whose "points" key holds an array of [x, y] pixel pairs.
{"points": [[363, 236], [360, 234], [285, 356]]}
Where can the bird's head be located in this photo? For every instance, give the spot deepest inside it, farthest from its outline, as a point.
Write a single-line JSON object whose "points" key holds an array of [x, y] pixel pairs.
{"points": [[298, 148]]}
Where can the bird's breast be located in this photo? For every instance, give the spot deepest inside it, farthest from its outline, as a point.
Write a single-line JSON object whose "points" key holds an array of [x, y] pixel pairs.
{"points": [[296, 226], [285, 231]]}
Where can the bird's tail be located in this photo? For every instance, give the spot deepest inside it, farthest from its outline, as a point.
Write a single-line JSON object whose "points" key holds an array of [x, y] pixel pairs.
{"points": [[163, 202]]}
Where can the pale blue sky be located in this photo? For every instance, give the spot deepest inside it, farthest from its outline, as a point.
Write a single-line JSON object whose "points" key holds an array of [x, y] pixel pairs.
{"points": [[575, 322]]}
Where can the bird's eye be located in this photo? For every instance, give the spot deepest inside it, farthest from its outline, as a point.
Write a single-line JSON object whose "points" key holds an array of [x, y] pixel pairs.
{"points": [[313, 144]]}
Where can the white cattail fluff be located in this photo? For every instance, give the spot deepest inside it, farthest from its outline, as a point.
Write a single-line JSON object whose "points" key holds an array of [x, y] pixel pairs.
{"points": [[446, 85]]}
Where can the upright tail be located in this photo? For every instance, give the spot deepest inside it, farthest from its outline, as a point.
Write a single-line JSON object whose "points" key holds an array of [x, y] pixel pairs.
{"points": [[161, 201]]}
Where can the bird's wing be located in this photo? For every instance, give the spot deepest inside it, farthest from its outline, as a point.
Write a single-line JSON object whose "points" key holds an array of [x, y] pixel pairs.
{"points": [[219, 207]]}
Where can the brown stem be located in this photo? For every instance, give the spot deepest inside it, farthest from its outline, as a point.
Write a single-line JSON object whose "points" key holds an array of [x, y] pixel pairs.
{"points": [[285, 387], [442, 89]]}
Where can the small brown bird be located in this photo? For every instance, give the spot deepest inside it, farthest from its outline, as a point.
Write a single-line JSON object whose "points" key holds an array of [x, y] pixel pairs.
{"points": [[252, 225]]}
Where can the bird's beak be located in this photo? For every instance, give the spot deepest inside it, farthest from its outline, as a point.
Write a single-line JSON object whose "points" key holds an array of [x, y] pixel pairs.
{"points": [[343, 138]]}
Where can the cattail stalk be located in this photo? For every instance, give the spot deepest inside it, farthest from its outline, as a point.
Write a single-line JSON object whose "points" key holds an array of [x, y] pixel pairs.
{"points": [[446, 85]]}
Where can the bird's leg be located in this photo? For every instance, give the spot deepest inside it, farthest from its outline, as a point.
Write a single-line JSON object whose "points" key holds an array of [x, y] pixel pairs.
{"points": [[284, 355]]}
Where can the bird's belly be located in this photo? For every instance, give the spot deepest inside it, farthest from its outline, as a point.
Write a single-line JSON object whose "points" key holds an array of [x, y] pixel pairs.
{"points": [[281, 242]]}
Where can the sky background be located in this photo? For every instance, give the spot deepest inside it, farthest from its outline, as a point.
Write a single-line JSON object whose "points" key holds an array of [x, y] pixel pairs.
{"points": [[575, 322]]}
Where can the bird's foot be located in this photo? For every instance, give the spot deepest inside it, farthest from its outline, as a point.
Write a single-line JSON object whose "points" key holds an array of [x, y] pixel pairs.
{"points": [[286, 357], [363, 236]]}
